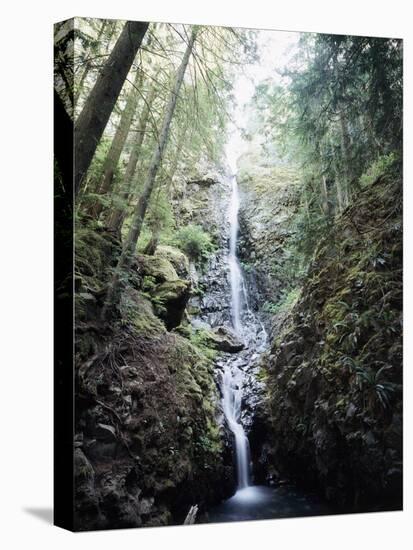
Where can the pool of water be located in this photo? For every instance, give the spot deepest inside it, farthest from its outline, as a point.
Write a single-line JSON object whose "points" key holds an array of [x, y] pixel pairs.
{"points": [[262, 502]]}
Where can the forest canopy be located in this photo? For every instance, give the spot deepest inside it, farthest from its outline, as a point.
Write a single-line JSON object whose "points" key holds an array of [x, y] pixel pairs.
{"points": [[335, 111]]}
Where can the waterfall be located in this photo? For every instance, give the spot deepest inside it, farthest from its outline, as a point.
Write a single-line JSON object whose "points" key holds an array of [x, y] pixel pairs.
{"points": [[233, 377], [234, 267], [232, 395]]}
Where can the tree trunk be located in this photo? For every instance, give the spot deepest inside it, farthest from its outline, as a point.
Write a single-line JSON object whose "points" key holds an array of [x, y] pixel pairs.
{"points": [[118, 142], [152, 245], [306, 204], [178, 153], [117, 216], [101, 100], [324, 196], [345, 147], [143, 202], [142, 205], [340, 200]]}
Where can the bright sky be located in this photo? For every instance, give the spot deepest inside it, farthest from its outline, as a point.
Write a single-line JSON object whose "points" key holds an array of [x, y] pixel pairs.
{"points": [[275, 49]]}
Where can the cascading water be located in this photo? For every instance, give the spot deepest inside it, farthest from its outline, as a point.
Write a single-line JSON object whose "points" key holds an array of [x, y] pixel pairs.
{"points": [[239, 376], [234, 267], [250, 501], [233, 377], [232, 395]]}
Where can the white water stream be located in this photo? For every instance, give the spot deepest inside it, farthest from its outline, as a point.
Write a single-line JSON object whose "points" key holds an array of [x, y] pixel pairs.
{"points": [[232, 384], [250, 501], [237, 285]]}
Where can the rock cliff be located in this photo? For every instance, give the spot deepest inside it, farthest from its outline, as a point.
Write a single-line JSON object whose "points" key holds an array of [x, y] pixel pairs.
{"points": [[150, 438], [333, 406]]}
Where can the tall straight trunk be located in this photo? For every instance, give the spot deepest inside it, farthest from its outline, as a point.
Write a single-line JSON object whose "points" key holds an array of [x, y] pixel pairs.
{"points": [[88, 64], [324, 196], [101, 100], [143, 201], [340, 198], [178, 153], [345, 148], [367, 123], [142, 205], [118, 142], [339, 203], [152, 245], [117, 216], [306, 204]]}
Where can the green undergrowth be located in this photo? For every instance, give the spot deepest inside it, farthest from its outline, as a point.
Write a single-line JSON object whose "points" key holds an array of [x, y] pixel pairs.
{"points": [[202, 340], [196, 243], [153, 388], [334, 377], [284, 304], [353, 295]]}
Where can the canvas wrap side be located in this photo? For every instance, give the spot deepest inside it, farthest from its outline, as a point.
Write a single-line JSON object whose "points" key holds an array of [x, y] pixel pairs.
{"points": [[63, 286]]}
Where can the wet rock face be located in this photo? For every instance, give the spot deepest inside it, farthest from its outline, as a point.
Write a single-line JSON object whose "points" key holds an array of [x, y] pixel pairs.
{"points": [[269, 200], [210, 310], [206, 204], [213, 304]]}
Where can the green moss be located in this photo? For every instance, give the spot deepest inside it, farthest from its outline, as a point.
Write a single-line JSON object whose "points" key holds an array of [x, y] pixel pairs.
{"points": [[137, 310], [159, 268], [379, 168], [193, 372], [194, 242], [176, 257], [203, 340], [170, 290], [285, 303]]}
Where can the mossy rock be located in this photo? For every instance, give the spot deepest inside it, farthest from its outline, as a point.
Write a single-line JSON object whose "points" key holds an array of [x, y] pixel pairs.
{"points": [[177, 258], [139, 311], [335, 372], [158, 267], [223, 339], [171, 299]]}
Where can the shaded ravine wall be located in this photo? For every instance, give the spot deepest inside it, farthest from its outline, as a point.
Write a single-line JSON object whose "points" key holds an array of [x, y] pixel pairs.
{"points": [[330, 417]]}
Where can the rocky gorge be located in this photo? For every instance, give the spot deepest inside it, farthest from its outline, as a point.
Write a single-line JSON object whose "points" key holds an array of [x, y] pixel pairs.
{"points": [[152, 439]]}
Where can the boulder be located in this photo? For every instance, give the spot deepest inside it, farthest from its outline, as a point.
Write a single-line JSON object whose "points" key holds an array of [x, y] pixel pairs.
{"points": [[105, 432], [171, 300], [169, 294], [177, 258], [160, 268], [224, 339], [204, 182]]}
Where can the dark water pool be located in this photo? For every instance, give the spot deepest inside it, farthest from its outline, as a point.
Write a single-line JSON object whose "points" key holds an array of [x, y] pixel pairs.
{"points": [[261, 502]]}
